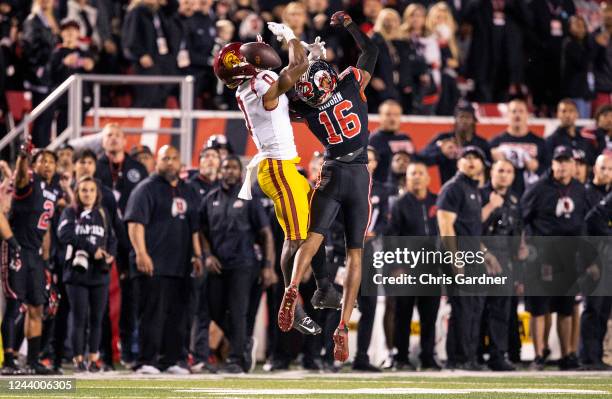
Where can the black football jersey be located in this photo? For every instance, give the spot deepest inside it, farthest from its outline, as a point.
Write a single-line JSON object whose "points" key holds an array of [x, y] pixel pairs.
{"points": [[32, 211], [341, 123]]}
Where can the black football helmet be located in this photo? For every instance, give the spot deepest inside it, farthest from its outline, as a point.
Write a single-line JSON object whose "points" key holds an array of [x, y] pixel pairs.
{"points": [[317, 84]]}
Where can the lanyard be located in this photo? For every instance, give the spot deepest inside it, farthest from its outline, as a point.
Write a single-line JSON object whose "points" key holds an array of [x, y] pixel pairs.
{"points": [[116, 173], [158, 28]]}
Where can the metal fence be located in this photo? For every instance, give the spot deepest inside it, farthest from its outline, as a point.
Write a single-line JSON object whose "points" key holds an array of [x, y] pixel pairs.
{"points": [[75, 128]]}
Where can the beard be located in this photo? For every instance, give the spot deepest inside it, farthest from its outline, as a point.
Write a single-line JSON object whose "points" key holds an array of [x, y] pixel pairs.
{"points": [[169, 175]]}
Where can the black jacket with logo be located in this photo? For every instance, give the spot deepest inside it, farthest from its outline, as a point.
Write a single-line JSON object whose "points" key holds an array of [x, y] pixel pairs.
{"points": [[231, 225], [551, 209]]}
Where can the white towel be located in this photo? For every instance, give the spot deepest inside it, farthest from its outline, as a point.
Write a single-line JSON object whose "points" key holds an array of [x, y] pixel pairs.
{"points": [[251, 173]]}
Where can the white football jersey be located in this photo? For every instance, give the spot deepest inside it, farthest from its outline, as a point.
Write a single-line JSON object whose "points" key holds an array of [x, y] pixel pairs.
{"points": [[271, 129]]}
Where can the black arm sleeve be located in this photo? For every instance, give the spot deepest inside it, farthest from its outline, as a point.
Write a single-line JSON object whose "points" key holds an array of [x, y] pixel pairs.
{"points": [[369, 50]]}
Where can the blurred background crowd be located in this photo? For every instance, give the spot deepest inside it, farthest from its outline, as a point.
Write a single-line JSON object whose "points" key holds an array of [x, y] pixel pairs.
{"points": [[432, 54]]}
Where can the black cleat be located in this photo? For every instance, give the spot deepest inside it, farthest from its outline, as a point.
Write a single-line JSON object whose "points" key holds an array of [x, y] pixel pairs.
{"points": [[569, 362], [326, 298], [430, 364], [311, 364], [94, 367], [366, 366], [304, 324], [501, 365], [537, 364], [231, 368], [38, 368]]}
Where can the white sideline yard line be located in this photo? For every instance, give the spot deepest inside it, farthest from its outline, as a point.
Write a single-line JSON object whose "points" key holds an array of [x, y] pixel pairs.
{"points": [[386, 391]]}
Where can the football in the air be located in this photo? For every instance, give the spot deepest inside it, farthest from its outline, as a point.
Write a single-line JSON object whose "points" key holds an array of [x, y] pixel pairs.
{"points": [[261, 55]]}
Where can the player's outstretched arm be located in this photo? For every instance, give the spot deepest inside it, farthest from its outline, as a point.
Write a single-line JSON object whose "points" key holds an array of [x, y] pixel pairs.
{"points": [[298, 64], [22, 177], [369, 50]]}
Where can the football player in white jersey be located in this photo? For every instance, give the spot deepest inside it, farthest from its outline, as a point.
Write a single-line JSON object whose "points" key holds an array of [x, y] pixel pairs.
{"points": [[261, 97]]}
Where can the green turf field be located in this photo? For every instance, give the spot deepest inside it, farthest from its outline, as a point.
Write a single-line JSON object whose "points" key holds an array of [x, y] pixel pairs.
{"points": [[301, 385]]}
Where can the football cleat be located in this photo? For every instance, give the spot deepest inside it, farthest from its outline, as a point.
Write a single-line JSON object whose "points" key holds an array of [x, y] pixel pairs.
{"points": [[326, 298], [306, 326], [341, 346], [286, 313]]}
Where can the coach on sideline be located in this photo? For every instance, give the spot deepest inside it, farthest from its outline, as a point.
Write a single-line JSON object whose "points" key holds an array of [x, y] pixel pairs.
{"points": [[459, 214], [163, 228], [230, 228]]}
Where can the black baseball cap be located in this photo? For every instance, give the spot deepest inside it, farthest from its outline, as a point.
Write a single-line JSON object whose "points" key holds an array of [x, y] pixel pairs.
{"points": [[474, 150], [562, 152]]}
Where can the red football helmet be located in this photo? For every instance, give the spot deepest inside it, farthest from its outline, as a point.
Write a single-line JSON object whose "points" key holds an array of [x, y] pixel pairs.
{"points": [[231, 67]]}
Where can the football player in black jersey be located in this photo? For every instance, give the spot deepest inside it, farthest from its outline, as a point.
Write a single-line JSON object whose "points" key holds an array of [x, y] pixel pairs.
{"points": [[335, 109], [34, 201]]}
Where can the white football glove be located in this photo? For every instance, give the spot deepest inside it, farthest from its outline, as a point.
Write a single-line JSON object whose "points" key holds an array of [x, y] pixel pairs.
{"points": [[316, 50], [281, 31]]}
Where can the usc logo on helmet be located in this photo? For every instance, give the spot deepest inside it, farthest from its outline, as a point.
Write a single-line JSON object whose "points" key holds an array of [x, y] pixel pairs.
{"points": [[230, 60]]}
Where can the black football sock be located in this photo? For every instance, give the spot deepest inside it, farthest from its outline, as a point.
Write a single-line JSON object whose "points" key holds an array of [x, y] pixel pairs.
{"points": [[33, 349], [319, 268]]}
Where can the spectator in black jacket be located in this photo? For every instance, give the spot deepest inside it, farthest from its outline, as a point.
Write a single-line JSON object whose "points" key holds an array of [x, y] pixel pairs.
{"points": [[555, 206], [67, 60], [387, 139], [603, 131], [418, 52], [445, 148], [146, 43], [576, 65], [196, 49], [568, 134], [602, 63], [550, 26], [38, 40], [496, 59], [522, 147], [383, 85], [414, 214], [120, 173], [86, 231]]}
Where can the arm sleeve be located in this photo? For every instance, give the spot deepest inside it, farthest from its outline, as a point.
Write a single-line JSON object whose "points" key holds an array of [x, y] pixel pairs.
{"points": [[194, 205], [111, 243], [260, 84], [450, 199], [431, 153], [396, 221], [528, 202], [139, 206], [203, 216], [598, 218], [369, 50]]}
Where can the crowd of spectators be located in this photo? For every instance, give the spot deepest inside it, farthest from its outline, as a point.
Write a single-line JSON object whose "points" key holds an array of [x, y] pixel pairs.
{"points": [[431, 54]]}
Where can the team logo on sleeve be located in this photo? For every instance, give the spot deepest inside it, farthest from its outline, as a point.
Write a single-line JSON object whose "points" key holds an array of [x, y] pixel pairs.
{"points": [[133, 175], [179, 207]]}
